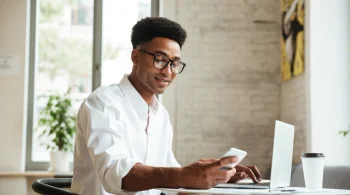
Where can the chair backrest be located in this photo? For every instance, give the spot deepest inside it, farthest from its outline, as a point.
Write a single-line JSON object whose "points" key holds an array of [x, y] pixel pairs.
{"points": [[336, 177], [52, 186]]}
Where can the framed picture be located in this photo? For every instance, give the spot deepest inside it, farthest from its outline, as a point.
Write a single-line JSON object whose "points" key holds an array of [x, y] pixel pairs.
{"points": [[292, 43]]}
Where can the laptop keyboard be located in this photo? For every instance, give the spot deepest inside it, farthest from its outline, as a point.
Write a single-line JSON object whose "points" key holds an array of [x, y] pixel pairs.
{"points": [[254, 184]]}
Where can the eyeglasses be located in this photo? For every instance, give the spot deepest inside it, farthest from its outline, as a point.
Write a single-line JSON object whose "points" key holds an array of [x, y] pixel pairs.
{"points": [[161, 61]]}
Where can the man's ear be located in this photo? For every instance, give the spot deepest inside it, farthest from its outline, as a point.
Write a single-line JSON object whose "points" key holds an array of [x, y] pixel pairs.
{"points": [[135, 57]]}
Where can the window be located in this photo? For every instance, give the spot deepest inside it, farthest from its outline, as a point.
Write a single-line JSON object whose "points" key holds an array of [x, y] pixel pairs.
{"points": [[116, 41], [67, 39]]}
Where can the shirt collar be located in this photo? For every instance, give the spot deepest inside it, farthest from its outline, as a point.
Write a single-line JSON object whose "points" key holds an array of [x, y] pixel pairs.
{"points": [[134, 98]]}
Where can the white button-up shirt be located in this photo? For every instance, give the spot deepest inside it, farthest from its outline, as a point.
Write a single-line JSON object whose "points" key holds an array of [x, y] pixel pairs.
{"points": [[111, 138]]}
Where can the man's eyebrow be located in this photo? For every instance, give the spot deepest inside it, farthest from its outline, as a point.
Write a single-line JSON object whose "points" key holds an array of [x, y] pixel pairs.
{"points": [[165, 54]]}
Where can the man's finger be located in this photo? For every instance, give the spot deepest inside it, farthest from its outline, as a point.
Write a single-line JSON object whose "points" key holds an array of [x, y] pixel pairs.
{"points": [[239, 167], [253, 168], [224, 161], [256, 172], [225, 173], [238, 176], [251, 175], [248, 171], [208, 160], [228, 175]]}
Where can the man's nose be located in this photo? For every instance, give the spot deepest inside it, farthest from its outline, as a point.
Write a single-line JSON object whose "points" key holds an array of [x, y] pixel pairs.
{"points": [[167, 70]]}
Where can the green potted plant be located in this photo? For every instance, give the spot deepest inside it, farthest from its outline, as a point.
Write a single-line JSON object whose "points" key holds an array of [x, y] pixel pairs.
{"points": [[344, 132], [56, 127]]}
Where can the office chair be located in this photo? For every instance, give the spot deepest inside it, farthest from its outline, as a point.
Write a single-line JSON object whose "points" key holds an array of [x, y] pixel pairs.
{"points": [[52, 186]]}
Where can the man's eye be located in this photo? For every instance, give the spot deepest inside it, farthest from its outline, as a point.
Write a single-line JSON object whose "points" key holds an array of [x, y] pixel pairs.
{"points": [[176, 63], [160, 61]]}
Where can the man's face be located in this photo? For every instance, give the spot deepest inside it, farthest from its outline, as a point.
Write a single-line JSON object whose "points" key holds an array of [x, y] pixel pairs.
{"points": [[154, 79]]}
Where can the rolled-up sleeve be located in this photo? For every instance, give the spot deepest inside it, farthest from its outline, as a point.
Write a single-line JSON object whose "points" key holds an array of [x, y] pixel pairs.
{"points": [[104, 135]]}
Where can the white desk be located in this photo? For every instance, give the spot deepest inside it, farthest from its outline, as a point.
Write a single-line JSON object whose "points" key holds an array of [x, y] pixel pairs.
{"points": [[232, 191]]}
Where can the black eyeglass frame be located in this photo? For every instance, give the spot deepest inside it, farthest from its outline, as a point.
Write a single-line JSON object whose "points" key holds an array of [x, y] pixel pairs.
{"points": [[171, 61]]}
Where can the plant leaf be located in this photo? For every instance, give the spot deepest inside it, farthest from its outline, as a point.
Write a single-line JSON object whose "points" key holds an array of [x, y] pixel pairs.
{"points": [[344, 133], [56, 123]]}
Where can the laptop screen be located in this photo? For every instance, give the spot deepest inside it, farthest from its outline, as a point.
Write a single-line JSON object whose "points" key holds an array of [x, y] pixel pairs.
{"points": [[282, 155]]}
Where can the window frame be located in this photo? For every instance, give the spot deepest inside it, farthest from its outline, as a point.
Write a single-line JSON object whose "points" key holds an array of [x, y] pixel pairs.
{"points": [[96, 69]]}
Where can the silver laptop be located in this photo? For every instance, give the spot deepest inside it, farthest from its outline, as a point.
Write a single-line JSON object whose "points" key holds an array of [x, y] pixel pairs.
{"points": [[281, 161]]}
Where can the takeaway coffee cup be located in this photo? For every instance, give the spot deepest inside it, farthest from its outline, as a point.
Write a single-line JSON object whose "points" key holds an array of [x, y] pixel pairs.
{"points": [[313, 164]]}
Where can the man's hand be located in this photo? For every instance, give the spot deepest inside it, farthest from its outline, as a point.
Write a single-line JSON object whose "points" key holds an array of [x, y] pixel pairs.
{"points": [[244, 172], [206, 173]]}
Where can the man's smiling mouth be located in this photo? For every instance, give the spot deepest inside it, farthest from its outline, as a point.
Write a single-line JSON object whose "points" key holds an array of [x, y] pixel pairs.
{"points": [[161, 80]]}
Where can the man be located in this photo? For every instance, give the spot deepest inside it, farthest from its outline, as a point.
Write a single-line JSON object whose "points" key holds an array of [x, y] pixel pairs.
{"points": [[124, 136]]}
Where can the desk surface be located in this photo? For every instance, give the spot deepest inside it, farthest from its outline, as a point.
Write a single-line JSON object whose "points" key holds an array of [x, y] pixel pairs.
{"points": [[33, 174], [232, 191]]}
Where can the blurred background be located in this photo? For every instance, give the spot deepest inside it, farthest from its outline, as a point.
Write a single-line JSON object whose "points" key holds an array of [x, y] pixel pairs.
{"points": [[249, 63]]}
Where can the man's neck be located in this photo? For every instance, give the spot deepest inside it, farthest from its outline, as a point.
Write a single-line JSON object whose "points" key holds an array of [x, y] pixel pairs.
{"points": [[145, 93]]}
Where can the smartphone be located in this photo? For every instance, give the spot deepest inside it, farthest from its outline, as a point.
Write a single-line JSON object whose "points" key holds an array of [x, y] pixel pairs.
{"points": [[234, 152]]}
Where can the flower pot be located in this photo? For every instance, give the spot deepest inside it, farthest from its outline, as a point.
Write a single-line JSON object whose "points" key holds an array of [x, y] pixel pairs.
{"points": [[59, 162]]}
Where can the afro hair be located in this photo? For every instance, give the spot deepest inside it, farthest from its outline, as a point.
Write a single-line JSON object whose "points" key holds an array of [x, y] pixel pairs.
{"points": [[148, 28]]}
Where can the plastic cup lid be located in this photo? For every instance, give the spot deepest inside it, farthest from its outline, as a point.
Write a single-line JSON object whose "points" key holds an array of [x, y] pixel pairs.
{"points": [[312, 155]]}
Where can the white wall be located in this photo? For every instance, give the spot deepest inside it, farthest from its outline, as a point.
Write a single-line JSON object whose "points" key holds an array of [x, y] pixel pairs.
{"points": [[229, 92], [329, 37], [294, 111], [13, 42]]}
